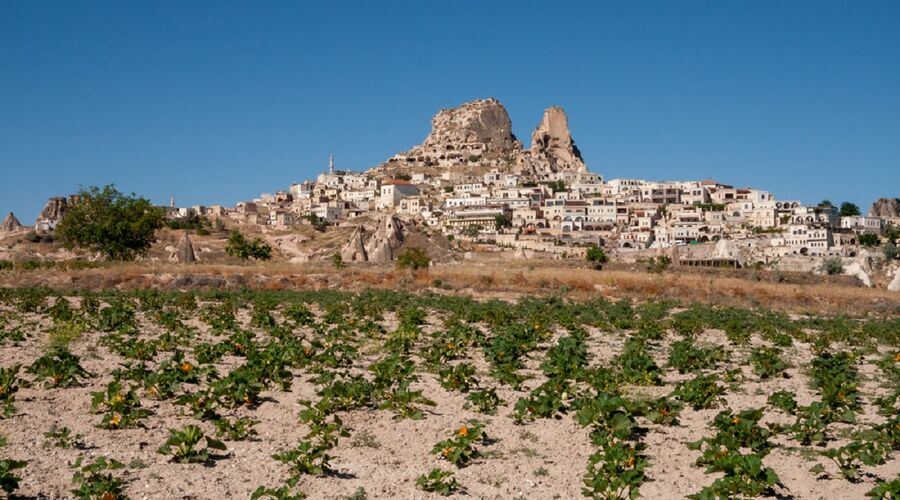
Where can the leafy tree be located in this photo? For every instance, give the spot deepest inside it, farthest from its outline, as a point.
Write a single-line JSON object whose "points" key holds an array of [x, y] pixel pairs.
{"points": [[106, 221], [849, 209], [826, 203], [317, 222], [413, 258], [596, 256], [869, 240], [501, 221], [238, 246]]}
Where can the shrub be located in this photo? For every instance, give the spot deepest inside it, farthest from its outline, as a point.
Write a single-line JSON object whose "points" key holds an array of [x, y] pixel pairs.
{"points": [[659, 264], [891, 251], [596, 256], [832, 266], [182, 445], [106, 221], [337, 261], [238, 246], [413, 258]]}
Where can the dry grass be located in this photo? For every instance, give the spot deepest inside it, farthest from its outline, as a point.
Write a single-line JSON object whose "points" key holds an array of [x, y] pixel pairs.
{"points": [[496, 279]]}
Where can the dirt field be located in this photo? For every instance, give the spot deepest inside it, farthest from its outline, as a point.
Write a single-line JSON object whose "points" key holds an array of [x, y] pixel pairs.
{"points": [[622, 386]]}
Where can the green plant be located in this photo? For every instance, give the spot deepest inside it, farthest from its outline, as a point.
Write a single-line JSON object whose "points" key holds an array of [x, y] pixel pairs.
{"points": [[413, 258], [636, 366], [60, 367], [459, 449], [337, 261], [548, 400], [485, 401], [104, 220], [744, 477], [94, 482], [61, 437], [700, 392], [239, 246], [438, 481], [783, 400], [9, 482], [616, 471], [851, 456], [659, 264], [811, 424], [832, 266], [281, 493], [239, 429], [767, 362], [9, 385], [121, 407], [688, 357], [182, 445], [885, 490], [458, 378], [596, 257]]}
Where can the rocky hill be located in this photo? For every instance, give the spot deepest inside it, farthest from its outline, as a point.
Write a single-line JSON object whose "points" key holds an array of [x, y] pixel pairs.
{"points": [[477, 136]]}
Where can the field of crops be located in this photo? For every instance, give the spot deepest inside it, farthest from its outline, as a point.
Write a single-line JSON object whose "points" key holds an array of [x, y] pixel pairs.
{"points": [[382, 394]]}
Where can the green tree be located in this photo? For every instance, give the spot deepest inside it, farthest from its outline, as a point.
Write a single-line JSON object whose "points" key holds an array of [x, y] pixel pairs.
{"points": [[869, 240], [501, 221], [826, 203], [596, 256], [242, 248], [104, 220], [849, 209], [471, 231], [413, 258]]}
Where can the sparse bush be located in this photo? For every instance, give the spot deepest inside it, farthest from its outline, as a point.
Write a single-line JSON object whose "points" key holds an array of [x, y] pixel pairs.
{"points": [[238, 246], [596, 256], [832, 266], [413, 258], [659, 264]]}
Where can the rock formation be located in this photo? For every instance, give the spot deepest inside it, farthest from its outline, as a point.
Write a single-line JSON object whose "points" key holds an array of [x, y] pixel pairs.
{"points": [[386, 240], [355, 250], [52, 213], [885, 207], [479, 134], [10, 224], [894, 285], [185, 251], [552, 147]]}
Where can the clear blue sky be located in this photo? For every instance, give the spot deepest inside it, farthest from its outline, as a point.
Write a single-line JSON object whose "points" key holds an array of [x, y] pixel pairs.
{"points": [[215, 102]]}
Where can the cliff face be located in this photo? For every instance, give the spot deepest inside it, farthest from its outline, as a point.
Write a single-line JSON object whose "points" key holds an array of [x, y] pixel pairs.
{"points": [[478, 134], [885, 207]]}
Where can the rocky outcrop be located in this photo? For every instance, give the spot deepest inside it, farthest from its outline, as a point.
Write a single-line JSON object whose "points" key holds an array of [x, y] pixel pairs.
{"points": [[478, 135], [552, 147], [885, 207], [10, 224], [55, 209], [355, 249], [894, 285], [386, 240], [481, 125], [185, 250]]}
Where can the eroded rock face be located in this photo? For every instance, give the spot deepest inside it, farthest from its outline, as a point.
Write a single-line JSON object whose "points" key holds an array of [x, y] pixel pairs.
{"points": [[885, 207], [894, 285], [477, 133], [10, 224], [483, 124], [355, 250], [53, 212], [552, 147], [386, 239]]}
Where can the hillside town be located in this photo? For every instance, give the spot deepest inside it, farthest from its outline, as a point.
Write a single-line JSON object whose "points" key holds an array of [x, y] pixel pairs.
{"points": [[472, 180]]}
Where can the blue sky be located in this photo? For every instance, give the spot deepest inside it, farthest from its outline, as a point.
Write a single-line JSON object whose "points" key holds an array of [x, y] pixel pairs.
{"points": [[215, 102]]}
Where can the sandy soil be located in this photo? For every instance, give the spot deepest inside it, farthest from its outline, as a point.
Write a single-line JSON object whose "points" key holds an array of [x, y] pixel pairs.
{"points": [[384, 456]]}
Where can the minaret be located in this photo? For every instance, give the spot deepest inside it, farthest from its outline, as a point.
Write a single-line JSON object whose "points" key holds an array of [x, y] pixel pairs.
{"points": [[172, 201], [330, 163]]}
